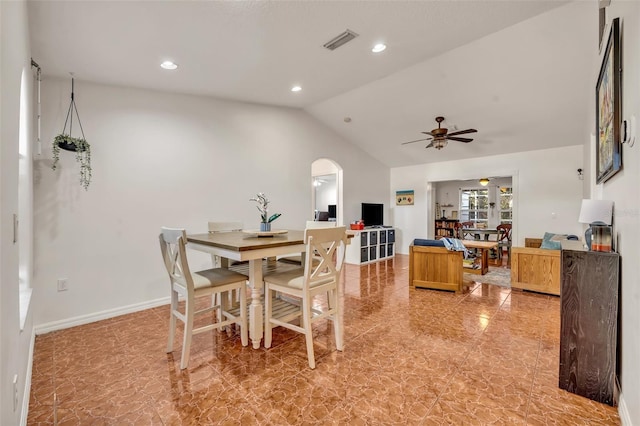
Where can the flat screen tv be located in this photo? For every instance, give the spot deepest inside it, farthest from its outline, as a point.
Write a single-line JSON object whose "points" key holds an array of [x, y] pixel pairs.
{"points": [[332, 211], [372, 214]]}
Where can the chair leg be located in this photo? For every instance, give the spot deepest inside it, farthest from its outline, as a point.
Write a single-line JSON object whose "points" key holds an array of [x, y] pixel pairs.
{"points": [[268, 308], [172, 320], [337, 321], [244, 332], [188, 331], [308, 331]]}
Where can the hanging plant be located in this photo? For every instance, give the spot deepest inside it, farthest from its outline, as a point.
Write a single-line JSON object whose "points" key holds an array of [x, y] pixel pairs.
{"points": [[83, 155], [78, 145]]}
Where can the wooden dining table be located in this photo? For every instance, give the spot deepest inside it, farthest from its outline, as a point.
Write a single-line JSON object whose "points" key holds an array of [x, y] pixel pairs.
{"points": [[248, 246]]}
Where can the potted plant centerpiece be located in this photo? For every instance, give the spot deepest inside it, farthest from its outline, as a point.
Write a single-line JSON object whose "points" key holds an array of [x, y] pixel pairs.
{"points": [[263, 208]]}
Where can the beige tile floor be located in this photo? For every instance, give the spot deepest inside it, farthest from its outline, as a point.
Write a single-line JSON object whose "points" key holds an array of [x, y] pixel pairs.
{"points": [[487, 356]]}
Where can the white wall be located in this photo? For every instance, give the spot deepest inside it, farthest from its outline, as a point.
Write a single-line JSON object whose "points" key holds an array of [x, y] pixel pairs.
{"points": [[174, 160], [14, 344], [547, 192], [624, 190]]}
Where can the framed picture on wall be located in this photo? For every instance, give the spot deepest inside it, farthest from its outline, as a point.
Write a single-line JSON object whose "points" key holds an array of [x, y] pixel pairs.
{"points": [[608, 108], [404, 198]]}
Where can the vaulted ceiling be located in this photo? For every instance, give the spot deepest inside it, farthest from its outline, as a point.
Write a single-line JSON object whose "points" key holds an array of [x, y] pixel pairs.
{"points": [[518, 71]]}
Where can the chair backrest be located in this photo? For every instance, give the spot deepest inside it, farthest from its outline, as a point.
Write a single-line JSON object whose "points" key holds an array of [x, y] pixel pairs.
{"points": [[329, 246], [225, 226], [467, 224], [312, 224], [457, 230], [504, 232], [172, 247]]}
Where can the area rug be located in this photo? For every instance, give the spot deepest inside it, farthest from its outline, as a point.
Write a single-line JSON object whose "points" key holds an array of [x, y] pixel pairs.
{"points": [[496, 276]]}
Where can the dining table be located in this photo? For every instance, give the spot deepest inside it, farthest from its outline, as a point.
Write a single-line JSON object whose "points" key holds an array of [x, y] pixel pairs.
{"points": [[251, 246], [477, 233]]}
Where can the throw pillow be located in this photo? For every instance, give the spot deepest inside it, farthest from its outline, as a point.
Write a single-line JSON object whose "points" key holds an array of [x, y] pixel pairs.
{"points": [[428, 243]]}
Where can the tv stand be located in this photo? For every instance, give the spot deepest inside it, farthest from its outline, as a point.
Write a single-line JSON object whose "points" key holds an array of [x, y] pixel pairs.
{"points": [[371, 244]]}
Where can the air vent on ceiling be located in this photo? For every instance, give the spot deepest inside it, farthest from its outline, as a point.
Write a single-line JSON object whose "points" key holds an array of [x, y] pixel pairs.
{"points": [[338, 41]]}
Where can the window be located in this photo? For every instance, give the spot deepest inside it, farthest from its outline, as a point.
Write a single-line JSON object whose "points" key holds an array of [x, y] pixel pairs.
{"points": [[474, 205], [506, 204]]}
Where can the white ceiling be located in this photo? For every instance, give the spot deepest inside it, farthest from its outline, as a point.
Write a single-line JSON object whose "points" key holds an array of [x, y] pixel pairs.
{"points": [[466, 60]]}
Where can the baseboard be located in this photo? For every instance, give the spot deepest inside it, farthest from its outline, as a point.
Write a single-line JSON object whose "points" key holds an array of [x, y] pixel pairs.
{"points": [[623, 412], [24, 414], [98, 316]]}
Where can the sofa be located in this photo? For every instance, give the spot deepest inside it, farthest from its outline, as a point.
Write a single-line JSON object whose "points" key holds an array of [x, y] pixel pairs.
{"points": [[432, 266], [535, 269]]}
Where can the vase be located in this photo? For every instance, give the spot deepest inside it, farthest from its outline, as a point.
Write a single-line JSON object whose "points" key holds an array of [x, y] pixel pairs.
{"points": [[265, 226]]}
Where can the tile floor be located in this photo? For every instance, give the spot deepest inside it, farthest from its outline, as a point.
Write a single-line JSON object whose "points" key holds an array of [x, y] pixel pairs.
{"points": [[488, 356]]}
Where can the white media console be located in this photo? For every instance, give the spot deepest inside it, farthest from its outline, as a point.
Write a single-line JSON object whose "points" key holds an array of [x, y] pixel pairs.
{"points": [[371, 245]]}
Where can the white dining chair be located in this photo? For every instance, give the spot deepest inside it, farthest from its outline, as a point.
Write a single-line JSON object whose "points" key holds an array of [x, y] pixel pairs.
{"points": [[191, 286], [314, 279], [215, 227]]}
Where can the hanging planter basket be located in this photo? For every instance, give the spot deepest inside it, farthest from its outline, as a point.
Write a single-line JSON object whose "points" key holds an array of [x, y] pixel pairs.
{"points": [[80, 146]]}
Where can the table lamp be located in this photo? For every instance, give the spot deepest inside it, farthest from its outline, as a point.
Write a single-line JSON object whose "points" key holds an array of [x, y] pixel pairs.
{"points": [[599, 215]]}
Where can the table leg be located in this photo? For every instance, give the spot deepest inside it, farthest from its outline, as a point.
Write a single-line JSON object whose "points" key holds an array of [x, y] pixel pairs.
{"points": [[484, 261], [255, 308]]}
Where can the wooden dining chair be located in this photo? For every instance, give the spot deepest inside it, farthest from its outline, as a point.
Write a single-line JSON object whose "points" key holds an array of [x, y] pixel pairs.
{"points": [[504, 239], [314, 279], [192, 286], [463, 226]]}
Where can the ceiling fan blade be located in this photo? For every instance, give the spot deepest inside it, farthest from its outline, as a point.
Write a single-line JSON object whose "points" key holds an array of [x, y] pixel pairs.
{"points": [[417, 140], [428, 133], [462, 132], [430, 145], [465, 140]]}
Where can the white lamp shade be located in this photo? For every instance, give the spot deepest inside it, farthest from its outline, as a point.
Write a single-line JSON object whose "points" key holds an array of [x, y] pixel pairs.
{"points": [[596, 211]]}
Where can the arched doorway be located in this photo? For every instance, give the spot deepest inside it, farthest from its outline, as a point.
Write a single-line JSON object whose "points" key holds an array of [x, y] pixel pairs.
{"points": [[326, 191]]}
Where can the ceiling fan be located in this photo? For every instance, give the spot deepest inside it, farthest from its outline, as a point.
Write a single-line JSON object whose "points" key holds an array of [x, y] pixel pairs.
{"points": [[440, 136]]}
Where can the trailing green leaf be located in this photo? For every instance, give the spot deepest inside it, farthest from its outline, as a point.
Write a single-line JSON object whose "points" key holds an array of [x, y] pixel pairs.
{"points": [[83, 156]]}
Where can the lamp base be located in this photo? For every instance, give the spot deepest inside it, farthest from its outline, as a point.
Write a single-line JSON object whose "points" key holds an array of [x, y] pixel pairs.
{"points": [[589, 233]]}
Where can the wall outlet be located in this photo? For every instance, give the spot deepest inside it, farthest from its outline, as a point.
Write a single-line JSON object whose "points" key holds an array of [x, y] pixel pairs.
{"points": [[63, 284], [15, 392]]}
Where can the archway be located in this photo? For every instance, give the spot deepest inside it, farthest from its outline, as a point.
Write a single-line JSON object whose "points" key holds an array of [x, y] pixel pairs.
{"points": [[326, 191]]}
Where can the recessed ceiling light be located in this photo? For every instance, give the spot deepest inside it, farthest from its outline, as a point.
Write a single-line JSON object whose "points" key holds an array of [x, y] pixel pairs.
{"points": [[296, 88], [379, 48], [168, 65]]}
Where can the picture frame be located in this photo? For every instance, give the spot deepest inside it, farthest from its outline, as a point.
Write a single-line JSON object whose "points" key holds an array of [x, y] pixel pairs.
{"points": [[608, 108], [404, 198]]}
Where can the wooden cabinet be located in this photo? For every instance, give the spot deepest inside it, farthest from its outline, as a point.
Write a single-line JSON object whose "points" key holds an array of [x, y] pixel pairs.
{"points": [[435, 268], [589, 324], [446, 228], [535, 269], [371, 245]]}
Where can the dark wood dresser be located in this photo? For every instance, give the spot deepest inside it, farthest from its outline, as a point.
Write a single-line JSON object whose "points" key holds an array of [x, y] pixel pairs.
{"points": [[589, 324]]}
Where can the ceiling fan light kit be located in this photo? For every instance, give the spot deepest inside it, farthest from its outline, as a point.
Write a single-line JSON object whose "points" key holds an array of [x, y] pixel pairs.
{"points": [[484, 181], [440, 136]]}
